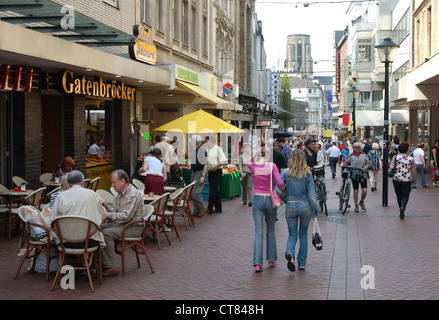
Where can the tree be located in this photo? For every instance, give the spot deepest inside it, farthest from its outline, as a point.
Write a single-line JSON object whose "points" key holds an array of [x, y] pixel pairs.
{"points": [[286, 103]]}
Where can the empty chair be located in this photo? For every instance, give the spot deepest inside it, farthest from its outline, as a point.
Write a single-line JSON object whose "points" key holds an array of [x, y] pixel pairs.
{"points": [[136, 244], [34, 246], [108, 197], [157, 219], [183, 208], [94, 184], [18, 181], [138, 184], [77, 230], [45, 178], [172, 205]]}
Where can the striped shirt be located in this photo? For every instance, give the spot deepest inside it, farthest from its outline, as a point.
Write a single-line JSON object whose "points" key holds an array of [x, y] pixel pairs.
{"points": [[127, 206]]}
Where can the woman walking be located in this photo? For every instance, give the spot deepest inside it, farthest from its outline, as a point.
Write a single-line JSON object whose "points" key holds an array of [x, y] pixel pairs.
{"points": [[246, 177], [405, 171], [375, 165], [301, 206], [264, 172]]}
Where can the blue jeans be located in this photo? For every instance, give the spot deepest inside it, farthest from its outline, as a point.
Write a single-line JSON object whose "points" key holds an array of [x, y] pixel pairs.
{"points": [[420, 170], [298, 215], [262, 210]]}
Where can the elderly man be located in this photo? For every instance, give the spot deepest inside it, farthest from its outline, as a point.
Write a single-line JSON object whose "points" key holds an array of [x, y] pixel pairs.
{"points": [[168, 155], [215, 160], [359, 161], [199, 172], [127, 207], [82, 202]]}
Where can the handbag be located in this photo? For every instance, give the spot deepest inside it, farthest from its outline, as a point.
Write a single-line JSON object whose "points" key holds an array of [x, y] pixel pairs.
{"points": [[317, 240], [392, 172], [276, 201]]}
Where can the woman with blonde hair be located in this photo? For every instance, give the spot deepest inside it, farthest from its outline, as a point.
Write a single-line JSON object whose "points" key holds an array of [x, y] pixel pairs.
{"points": [[301, 206]]}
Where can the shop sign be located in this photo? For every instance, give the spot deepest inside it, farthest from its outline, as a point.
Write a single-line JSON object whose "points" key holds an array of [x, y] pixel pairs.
{"points": [[17, 79], [82, 86], [187, 75], [144, 48]]}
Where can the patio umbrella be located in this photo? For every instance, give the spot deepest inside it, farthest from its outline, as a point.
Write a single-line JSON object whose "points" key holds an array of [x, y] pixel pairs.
{"points": [[281, 134], [199, 122]]}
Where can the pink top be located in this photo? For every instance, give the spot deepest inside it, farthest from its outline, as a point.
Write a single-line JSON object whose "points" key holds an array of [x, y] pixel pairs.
{"points": [[261, 176]]}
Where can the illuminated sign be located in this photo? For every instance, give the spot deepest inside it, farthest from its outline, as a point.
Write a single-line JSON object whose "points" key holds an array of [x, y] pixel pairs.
{"points": [[144, 48], [4, 85], [82, 86]]}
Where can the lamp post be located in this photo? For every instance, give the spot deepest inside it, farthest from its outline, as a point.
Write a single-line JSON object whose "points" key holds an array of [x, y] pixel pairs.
{"points": [[386, 52], [354, 92]]}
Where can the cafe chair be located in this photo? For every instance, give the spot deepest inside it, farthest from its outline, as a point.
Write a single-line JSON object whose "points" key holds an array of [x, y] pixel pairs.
{"points": [[136, 244], [138, 184], [94, 184], [77, 230], [51, 193], [106, 196], [157, 218], [183, 208], [45, 178], [18, 181], [86, 183], [172, 204], [34, 246], [113, 191], [35, 199]]}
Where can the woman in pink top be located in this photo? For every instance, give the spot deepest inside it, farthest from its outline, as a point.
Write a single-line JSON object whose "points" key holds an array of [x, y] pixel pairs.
{"points": [[261, 170]]}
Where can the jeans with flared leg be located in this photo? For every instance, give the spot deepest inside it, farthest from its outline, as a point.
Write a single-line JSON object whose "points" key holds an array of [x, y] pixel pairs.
{"points": [[262, 211]]}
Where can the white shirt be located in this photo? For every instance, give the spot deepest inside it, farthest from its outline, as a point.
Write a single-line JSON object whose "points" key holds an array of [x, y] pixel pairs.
{"points": [[155, 166], [333, 152], [418, 154]]}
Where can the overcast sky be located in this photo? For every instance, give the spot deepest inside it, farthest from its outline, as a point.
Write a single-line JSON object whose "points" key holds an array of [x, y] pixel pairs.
{"points": [[281, 18]]}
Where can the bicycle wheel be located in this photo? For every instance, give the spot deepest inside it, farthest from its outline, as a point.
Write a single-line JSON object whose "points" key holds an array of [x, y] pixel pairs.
{"points": [[346, 195], [323, 198]]}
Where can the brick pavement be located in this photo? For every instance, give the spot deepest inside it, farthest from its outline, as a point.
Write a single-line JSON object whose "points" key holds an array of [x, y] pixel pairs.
{"points": [[214, 260]]}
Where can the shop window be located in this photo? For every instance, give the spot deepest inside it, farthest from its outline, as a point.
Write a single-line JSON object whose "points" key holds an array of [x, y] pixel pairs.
{"points": [[98, 133]]}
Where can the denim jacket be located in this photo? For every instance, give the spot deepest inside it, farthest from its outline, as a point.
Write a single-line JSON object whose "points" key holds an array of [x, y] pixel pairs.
{"points": [[301, 190]]}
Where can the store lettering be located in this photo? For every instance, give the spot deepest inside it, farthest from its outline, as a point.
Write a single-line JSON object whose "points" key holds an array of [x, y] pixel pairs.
{"points": [[144, 48], [17, 81], [82, 86]]}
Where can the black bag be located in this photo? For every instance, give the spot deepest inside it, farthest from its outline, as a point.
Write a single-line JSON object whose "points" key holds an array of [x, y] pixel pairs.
{"points": [[392, 173], [317, 240]]}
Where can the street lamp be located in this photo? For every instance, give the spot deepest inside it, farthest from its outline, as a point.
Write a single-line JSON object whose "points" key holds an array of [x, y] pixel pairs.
{"points": [[354, 92], [386, 53]]}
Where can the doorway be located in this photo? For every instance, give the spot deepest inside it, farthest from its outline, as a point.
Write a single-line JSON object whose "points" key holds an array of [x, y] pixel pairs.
{"points": [[51, 132]]}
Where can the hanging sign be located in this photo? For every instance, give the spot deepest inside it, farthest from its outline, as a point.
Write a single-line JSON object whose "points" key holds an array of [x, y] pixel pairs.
{"points": [[143, 49]]}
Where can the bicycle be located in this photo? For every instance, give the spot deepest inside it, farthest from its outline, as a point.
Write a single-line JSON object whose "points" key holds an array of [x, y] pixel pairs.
{"points": [[345, 190], [318, 174]]}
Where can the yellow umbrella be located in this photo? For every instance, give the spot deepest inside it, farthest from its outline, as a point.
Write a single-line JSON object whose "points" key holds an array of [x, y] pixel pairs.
{"points": [[199, 122]]}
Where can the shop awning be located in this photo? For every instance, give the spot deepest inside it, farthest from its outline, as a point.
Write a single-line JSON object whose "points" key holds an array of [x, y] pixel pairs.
{"points": [[197, 91]]}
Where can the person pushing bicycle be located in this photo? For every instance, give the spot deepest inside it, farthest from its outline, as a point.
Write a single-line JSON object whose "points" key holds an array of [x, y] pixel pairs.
{"points": [[359, 161]]}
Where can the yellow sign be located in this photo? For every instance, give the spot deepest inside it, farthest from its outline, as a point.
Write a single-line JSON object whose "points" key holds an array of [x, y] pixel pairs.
{"points": [[144, 48], [327, 133], [104, 172], [82, 86]]}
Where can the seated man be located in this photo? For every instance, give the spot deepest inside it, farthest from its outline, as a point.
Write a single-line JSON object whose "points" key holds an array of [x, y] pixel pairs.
{"points": [[128, 206], [82, 202]]}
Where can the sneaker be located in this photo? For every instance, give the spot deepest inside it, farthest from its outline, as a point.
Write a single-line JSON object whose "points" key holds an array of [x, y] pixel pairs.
{"points": [[427, 185], [271, 263], [401, 213], [290, 264], [357, 209], [362, 205], [434, 183], [301, 267], [258, 268]]}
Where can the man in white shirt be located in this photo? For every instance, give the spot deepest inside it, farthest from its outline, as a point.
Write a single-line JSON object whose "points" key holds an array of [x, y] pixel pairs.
{"points": [[333, 154], [215, 160], [418, 155], [168, 155]]}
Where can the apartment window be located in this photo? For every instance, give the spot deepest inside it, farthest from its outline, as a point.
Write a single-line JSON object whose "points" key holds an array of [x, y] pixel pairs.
{"points": [[194, 28], [418, 41], [429, 30], [185, 22], [146, 16], [401, 72], [402, 29], [364, 50], [159, 12], [176, 19], [364, 97], [114, 3]]}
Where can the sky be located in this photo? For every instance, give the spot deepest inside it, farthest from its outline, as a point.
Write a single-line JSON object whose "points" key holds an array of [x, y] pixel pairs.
{"points": [[281, 18]]}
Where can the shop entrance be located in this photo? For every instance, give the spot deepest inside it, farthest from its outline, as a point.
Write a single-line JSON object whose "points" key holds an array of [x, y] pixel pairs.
{"points": [[51, 132]]}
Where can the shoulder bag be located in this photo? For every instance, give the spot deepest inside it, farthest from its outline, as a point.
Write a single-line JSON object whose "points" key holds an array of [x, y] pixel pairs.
{"points": [[392, 172], [275, 199], [317, 240]]}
